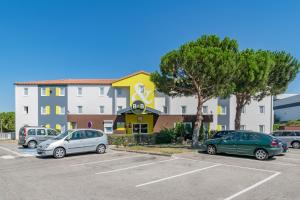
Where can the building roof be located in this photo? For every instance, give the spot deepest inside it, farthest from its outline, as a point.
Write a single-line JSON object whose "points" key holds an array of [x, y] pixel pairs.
{"points": [[69, 82], [79, 81]]}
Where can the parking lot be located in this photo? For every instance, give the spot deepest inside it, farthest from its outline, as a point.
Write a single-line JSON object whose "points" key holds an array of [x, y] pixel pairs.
{"points": [[124, 175]]}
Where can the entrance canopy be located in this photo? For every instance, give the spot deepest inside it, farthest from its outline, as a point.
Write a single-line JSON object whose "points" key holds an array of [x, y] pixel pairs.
{"points": [[147, 111]]}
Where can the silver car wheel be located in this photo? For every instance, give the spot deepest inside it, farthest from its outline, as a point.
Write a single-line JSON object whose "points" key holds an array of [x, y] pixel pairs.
{"points": [[32, 144], [296, 145], [211, 150], [101, 149], [261, 154], [59, 153]]}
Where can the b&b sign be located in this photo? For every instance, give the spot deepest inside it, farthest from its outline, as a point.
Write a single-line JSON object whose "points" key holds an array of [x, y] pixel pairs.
{"points": [[138, 107]]}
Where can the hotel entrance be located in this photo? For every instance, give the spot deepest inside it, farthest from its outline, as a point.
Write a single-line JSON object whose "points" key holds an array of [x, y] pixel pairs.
{"points": [[139, 128]]}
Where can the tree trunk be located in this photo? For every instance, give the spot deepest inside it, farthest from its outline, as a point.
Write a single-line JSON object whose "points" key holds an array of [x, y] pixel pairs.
{"points": [[198, 122], [238, 112]]}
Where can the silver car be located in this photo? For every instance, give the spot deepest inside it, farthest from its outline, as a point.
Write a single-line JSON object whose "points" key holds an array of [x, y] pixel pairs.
{"points": [[292, 138], [74, 141], [31, 136]]}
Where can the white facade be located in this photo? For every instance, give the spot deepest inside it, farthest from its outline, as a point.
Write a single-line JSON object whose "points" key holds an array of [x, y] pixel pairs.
{"points": [[252, 118], [26, 106], [106, 100], [90, 100]]}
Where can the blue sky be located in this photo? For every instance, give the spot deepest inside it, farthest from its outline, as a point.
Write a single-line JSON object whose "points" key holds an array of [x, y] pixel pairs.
{"points": [[41, 40]]}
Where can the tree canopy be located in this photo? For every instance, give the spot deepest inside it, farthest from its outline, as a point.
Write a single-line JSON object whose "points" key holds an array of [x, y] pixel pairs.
{"points": [[203, 68], [8, 121]]}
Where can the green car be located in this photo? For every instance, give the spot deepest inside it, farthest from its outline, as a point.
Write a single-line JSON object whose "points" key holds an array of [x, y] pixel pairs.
{"points": [[260, 145]]}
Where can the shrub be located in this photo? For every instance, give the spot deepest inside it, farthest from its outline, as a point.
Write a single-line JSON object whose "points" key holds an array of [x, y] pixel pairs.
{"points": [[164, 136]]}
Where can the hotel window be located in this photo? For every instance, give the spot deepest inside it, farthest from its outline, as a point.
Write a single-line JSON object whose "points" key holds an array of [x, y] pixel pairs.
{"points": [[120, 108], [79, 91], [43, 92], [108, 126], [101, 91], [25, 92], [165, 109], [60, 91], [262, 128], [243, 109], [261, 109], [60, 110], [243, 127], [26, 110], [223, 127], [44, 110], [205, 109], [101, 109], [223, 110], [119, 92], [79, 109], [183, 109]]}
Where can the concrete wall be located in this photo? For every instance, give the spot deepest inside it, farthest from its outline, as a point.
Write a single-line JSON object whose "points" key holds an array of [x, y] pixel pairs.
{"points": [[90, 99], [31, 101], [252, 118]]}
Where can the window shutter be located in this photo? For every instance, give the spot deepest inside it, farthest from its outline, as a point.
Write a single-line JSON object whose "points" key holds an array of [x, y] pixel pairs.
{"points": [[57, 91], [47, 91], [58, 110], [58, 127], [48, 110], [219, 110]]}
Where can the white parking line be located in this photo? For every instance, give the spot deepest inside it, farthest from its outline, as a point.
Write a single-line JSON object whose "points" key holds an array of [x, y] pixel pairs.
{"points": [[257, 161], [11, 151], [178, 175], [135, 166], [291, 158], [7, 157], [102, 161], [223, 164], [252, 186]]}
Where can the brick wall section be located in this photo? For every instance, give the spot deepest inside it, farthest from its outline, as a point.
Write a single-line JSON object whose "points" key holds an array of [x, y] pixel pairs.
{"points": [[160, 122]]}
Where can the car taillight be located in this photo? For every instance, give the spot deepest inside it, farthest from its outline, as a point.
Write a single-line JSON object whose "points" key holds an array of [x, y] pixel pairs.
{"points": [[25, 132], [274, 143]]}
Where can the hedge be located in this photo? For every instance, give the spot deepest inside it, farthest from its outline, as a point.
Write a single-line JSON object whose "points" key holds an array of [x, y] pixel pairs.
{"points": [[136, 139]]}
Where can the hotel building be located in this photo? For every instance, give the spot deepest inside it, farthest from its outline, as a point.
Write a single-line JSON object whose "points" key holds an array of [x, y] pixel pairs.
{"points": [[127, 105]]}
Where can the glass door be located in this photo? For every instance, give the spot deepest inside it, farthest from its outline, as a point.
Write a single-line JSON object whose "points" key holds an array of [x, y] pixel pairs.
{"points": [[140, 128]]}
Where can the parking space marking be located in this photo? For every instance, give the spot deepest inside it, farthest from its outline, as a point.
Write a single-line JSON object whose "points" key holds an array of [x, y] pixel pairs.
{"points": [[252, 186], [178, 175], [11, 151], [291, 158], [135, 166], [257, 161], [223, 164], [7, 157], [102, 161]]}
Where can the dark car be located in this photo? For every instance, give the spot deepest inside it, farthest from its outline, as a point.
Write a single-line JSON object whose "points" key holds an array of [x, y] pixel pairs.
{"points": [[260, 145]]}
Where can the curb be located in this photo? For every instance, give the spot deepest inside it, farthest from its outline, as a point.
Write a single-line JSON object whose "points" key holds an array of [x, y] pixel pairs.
{"points": [[142, 152]]}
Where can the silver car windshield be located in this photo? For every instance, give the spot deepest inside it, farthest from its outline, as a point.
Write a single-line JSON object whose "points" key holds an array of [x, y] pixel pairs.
{"points": [[63, 135]]}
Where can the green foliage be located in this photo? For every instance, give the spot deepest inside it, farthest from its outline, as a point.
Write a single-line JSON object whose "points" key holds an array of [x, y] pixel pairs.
{"points": [[276, 127], [204, 68], [293, 123], [283, 71], [8, 121], [165, 136]]}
